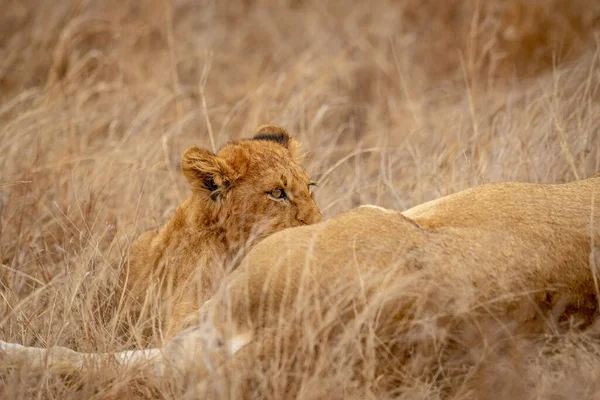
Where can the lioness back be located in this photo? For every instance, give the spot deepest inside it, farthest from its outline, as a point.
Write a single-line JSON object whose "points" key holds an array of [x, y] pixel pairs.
{"points": [[513, 205]]}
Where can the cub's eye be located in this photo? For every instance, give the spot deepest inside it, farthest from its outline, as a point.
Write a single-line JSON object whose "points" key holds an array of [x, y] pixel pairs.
{"points": [[311, 187], [278, 194]]}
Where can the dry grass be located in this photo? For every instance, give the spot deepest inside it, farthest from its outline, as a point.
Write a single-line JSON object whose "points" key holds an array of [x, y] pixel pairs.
{"points": [[398, 103]]}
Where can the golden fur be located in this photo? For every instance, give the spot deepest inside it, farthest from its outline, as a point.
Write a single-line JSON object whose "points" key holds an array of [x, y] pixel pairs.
{"points": [[509, 253], [231, 208], [510, 250]]}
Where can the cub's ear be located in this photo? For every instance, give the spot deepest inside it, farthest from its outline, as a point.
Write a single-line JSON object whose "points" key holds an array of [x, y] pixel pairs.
{"points": [[206, 171], [278, 135]]}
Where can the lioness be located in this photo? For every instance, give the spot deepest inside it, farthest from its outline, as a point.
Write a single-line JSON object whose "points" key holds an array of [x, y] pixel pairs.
{"points": [[525, 239], [243, 193], [520, 251]]}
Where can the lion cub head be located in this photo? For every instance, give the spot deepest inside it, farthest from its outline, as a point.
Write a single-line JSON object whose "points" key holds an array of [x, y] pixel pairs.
{"points": [[251, 188]]}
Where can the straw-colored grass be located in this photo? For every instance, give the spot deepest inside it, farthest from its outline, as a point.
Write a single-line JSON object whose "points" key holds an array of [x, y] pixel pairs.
{"points": [[398, 102]]}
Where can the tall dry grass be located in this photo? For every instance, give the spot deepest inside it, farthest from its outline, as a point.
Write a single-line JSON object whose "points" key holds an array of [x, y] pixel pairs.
{"points": [[398, 102]]}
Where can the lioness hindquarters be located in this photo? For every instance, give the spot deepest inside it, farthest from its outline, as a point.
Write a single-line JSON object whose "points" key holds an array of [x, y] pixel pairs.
{"points": [[246, 191]]}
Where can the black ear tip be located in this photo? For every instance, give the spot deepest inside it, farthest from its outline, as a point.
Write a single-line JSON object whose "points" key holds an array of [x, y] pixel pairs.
{"points": [[274, 134]]}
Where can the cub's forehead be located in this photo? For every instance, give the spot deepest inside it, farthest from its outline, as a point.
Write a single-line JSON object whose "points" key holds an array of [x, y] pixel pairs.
{"points": [[282, 172], [253, 151], [261, 157], [294, 180]]}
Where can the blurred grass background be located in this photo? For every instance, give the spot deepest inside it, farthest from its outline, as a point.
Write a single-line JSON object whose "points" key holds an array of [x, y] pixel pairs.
{"points": [[397, 103]]}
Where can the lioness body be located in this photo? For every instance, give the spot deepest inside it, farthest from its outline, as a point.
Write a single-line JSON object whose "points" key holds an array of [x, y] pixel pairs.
{"points": [[496, 230], [518, 251]]}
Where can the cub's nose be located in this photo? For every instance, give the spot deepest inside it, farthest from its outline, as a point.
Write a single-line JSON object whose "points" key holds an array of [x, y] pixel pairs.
{"points": [[315, 218], [309, 213]]}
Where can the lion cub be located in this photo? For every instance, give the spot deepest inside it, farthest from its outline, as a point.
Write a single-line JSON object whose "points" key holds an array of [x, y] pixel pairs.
{"points": [[250, 189]]}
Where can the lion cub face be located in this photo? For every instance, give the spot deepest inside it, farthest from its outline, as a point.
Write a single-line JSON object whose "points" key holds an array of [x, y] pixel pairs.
{"points": [[251, 188]]}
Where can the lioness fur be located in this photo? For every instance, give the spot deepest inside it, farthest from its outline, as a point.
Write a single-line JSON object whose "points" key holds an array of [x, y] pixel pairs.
{"points": [[246, 191], [517, 251], [501, 253]]}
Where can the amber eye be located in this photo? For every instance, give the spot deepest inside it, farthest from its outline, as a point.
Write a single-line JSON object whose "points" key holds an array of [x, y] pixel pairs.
{"points": [[278, 194]]}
